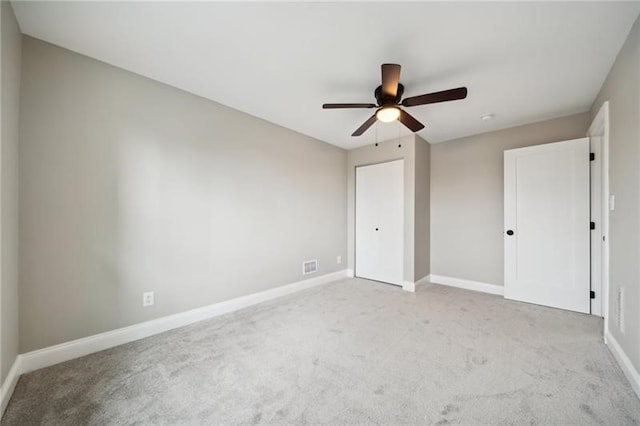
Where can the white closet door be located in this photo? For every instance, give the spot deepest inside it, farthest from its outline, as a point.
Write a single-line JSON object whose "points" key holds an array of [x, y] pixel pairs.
{"points": [[380, 222], [546, 240]]}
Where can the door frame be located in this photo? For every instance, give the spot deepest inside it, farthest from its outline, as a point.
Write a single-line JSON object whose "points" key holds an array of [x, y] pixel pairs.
{"points": [[600, 127]]}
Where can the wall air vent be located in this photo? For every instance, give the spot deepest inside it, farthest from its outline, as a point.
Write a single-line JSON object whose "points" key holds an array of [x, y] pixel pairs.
{"points": [[309, 267]]}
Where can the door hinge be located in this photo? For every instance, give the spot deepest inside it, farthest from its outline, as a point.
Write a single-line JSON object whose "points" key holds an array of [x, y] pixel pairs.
{"points": [[592, 156], [592, 225], [592, 294]]}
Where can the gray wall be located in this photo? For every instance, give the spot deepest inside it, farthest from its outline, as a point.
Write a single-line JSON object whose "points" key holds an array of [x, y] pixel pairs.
{"points": [[422, 206], [128, 185], [10, 88], [467, 196], [371, 154], [622, 90]]}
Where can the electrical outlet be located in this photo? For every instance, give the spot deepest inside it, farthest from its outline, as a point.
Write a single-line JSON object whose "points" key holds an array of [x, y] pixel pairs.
{"points": [[147, 299], [339, 260]]}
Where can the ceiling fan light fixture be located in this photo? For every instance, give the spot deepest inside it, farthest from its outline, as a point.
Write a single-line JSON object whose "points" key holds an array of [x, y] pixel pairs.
{"points": [[388, 114]]}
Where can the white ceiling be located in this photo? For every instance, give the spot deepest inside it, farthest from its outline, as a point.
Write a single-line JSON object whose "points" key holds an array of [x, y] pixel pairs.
{"points": [[521, 61]]}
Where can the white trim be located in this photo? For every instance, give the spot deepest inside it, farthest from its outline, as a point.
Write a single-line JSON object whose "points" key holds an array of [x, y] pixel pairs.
{"points": [[350, 273], [409, 286], [424, 280], [9, 384], [595, 237], [65, 351], [600, 125], [467, 284], [625, 363]]}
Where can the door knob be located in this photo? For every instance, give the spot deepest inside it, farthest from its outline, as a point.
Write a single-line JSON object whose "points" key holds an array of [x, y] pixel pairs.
{"points": [[376, 229], [509, 232]]}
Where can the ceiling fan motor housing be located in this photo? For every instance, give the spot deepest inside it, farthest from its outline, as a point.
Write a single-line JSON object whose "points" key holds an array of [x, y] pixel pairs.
{"points": [[386, 99]]}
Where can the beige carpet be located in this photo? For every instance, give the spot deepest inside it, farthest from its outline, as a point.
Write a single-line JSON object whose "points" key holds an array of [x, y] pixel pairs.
{"points": [[353, 351]]}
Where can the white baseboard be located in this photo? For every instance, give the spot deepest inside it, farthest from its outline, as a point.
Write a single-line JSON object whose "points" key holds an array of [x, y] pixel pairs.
{"points": [[409, 286], [9, 384], [467, 284], [350, 273], [424, 280], [46, 357], [625, 363]]}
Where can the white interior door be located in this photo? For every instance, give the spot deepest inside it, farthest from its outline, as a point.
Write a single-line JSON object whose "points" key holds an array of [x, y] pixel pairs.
{"points": [[546, 240], [380, 221]]}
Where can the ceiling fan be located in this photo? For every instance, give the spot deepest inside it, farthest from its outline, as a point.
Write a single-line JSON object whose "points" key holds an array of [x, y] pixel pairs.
{"points": [[388, 96]]}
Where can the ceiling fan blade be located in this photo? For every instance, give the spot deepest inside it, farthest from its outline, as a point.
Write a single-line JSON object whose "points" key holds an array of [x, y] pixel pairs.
{"points": [[435, 97], [390, 79], [408, 120], [365, 126], [335, 106]]}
